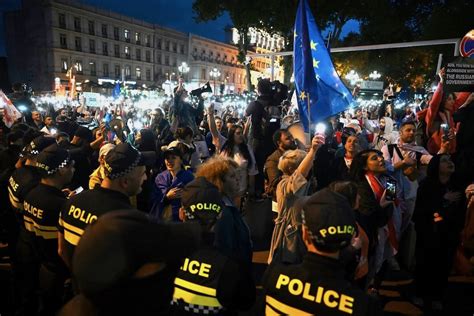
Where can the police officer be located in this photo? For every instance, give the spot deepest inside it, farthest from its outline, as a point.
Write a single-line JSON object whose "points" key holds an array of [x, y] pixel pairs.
{"points": [[209, 283], [125, 173], [317, 286], [41, 213], [25, 262]]}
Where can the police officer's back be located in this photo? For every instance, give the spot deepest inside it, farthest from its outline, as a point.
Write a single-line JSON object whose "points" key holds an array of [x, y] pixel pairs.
{"points": [[41, 213], [317, 286], [209, 282], [125, 173]]}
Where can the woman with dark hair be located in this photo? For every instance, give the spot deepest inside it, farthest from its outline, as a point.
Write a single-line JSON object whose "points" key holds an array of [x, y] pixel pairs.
{"points": [[378, 213], [236, 148], [438, 214], [440, 111]]}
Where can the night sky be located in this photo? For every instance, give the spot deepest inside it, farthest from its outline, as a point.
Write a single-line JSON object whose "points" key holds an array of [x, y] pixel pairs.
{"points": [[175, 14]]}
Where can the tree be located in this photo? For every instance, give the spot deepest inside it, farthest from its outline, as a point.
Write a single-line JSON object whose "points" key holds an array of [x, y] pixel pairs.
{"points": [[243, 13]]}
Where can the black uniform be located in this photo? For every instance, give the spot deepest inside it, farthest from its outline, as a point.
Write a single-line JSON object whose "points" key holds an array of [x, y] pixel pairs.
{"points": [[210, 283], [84, 209], [26, 261], [315, 287], [41, 213]]}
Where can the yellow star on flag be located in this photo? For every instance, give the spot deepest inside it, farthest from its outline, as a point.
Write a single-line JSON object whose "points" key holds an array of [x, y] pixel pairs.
{"points": [[302, 95], [313, 45], [315, 63]]}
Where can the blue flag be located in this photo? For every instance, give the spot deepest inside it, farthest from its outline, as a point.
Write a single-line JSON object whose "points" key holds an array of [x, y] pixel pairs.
{"points": [[320, 91], [116, 91]]}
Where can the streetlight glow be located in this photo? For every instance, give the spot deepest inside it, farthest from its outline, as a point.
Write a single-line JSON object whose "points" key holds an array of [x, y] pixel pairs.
{"points": [[374, 75]]}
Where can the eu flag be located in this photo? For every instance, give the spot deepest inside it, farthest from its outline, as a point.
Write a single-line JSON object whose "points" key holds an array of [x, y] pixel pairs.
{"points": [[320, 91]]}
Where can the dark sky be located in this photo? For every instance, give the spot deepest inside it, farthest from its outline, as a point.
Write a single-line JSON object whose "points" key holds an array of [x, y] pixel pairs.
{"points": [[175, 14]]}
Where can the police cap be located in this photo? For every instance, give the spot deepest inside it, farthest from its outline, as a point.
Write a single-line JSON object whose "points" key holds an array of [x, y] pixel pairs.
{"points": [[52, 158], [122, 159], [329, 219]]}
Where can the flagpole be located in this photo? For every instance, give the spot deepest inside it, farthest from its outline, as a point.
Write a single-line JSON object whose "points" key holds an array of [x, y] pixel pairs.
{"points": [[309, 118]]}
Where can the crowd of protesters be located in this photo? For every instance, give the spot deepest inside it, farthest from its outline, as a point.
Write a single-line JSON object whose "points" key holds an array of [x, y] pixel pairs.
{"points": [[93, 219]]}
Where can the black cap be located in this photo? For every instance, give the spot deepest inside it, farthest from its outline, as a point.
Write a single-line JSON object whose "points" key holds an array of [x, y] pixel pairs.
{"points": [[114, 247], [202, 201], [37, 145], [330, 220], [84, 133], [172, 151], [52, 158], [123, 158]]}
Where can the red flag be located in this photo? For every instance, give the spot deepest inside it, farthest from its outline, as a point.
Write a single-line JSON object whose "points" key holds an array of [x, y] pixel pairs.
{"points": [[10, 112]]}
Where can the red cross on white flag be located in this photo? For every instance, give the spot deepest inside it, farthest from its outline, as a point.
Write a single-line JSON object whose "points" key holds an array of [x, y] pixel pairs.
{"points": [[10, 112]]}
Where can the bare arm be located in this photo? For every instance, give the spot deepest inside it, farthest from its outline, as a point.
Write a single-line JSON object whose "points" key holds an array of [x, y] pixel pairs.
{"points": [[305, 166]]}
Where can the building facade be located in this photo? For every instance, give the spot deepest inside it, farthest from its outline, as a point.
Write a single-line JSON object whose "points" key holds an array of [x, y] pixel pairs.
{"points": [[51, 39]]}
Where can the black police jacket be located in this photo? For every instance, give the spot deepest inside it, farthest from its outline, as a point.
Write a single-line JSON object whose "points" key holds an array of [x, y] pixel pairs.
{"points": [[315, 287]]}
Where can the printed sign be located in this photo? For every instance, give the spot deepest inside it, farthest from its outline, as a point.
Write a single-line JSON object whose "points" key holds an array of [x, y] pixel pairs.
{"points": [[459, 75]]}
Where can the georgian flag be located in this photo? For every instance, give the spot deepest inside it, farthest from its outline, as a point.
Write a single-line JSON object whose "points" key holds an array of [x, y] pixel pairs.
{"points": [[10, 112]]}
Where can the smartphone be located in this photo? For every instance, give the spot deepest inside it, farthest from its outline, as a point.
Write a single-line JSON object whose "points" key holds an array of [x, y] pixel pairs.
{"points": [[445, 128], [391, 190], [320, 129], [78, 190]]}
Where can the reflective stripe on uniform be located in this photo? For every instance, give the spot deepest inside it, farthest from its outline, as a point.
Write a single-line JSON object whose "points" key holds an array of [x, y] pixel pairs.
{"points": [[47, 232], [71, 237], [15, 202], [192, 293], [71, 228], [275, 307]]}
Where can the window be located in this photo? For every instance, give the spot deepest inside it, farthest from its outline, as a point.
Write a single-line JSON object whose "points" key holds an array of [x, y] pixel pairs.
{"points": [[91, 28], [105, 69], [64, 65], [126, 34], [117, 71], [158, 43], [78, 66], [104, 31], [167, 60], [148, 56], [62, 20], [148, 75], [181, 48], [116, 33], [117, 50], [77, 24], [167, 46], [105, 48], [63, 40], [92, 46], [137, 38], [127, 52], [127, 72], [138, 54], [93, 70], [158, 59], [175, 47], [78, 44], [203, 73], [148, 40], [138, 72], [175, 62]]}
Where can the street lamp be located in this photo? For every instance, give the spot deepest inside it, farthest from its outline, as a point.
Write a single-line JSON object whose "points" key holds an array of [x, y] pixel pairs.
{"points": [[353, 77], [374, 75], [215, 73]]}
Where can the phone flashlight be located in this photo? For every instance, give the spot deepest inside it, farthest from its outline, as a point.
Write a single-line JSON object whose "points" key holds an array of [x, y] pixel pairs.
{"points": [[320, 128]]}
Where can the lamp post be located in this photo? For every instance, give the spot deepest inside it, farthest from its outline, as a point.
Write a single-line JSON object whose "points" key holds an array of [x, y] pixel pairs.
{"points": [[215, 73], [183, 68], [374, 75]]}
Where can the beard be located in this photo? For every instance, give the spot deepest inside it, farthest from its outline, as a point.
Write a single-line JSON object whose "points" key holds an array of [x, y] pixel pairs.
{"points": [[291, 146]]}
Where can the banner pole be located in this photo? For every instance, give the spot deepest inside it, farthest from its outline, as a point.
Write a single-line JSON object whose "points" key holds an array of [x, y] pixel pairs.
{"points": [[309, 118]]}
